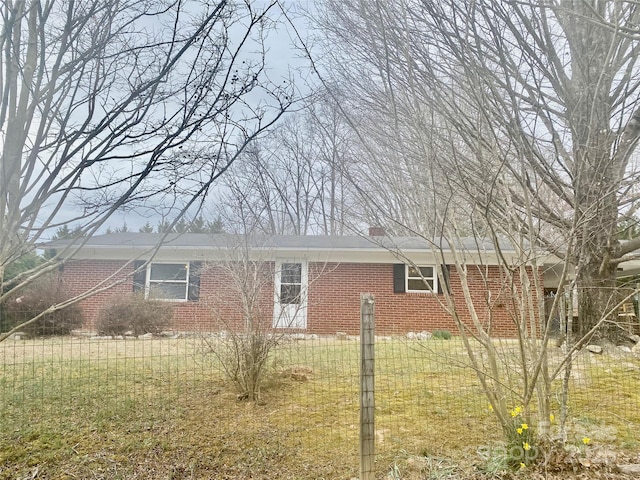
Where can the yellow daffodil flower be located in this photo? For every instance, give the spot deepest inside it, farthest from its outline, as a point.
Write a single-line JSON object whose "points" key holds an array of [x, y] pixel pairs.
{"points": [[586, 440], [526, 446]]}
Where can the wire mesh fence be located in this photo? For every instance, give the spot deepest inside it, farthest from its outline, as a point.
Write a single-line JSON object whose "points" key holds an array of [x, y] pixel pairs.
{"points": [[162, 407]]}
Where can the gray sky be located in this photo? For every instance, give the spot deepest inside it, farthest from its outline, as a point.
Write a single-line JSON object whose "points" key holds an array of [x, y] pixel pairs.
{"points": [[283, 63]]}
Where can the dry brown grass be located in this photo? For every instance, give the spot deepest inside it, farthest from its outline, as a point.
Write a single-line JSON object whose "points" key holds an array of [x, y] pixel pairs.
{"points": [[160, 409]]}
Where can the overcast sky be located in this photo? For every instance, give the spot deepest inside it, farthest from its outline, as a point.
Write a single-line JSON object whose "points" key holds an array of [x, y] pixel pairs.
{"points": [[285, 61]]}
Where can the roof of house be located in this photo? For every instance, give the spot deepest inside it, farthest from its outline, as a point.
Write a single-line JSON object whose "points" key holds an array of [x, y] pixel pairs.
{"points": [[358, 249], [207, 241], [314, 248]]}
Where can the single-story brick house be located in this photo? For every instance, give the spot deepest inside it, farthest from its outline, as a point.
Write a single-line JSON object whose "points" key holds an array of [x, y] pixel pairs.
{"points": [[308, 284]]}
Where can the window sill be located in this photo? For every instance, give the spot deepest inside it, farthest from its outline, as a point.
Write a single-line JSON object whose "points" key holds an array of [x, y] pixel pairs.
{"points": [[169, 300]]}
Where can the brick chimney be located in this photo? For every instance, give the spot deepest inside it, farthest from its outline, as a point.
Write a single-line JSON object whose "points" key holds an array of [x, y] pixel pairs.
{"points": [[377, 232]]}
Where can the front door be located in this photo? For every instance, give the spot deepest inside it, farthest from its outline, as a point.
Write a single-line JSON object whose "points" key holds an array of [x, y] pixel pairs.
{"points": [[290, 309]]}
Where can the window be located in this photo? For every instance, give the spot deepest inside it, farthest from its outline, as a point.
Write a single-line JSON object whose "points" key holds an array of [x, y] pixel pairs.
{"points": [[290, 294], [168, 281], [421, 279], [409, 278], [290, 283]]}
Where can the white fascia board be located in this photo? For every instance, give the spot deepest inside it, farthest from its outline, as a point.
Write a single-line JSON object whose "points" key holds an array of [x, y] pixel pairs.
{"points": [[372, 255]]}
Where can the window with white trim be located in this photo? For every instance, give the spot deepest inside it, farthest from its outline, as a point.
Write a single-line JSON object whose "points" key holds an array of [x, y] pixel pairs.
{"points": [[290, 283], [168, 281], [421, 278]]}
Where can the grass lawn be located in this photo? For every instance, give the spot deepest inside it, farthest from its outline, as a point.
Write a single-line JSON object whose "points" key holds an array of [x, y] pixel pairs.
{"points": [[161, 409]]}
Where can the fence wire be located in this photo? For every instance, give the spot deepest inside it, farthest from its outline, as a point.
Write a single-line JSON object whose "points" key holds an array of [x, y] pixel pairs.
{"points": [[162, 407]]}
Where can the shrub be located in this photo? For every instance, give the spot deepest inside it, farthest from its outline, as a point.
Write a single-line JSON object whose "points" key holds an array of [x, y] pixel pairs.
{"points": [[442, 334], [35, 299], [134, 316], [243, 357]]}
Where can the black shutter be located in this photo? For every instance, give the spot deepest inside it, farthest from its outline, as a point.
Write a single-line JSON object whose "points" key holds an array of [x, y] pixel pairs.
{"points": [[443, 283], [139, 276], [399, 272], [194, 281]]}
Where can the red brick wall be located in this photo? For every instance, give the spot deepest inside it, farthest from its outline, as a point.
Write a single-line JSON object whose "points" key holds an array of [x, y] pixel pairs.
{"points": [[219, 307], [81, 275], [333, 300], [229, 292]]}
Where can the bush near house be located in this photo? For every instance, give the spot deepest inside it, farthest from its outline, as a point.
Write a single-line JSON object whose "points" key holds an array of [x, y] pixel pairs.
{"points": [[35, 299], [442, 334], [134, 316]]}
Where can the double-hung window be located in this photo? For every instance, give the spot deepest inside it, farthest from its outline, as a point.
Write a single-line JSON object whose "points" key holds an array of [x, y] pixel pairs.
{"points": [[171, 281], [168, 281], [421, 279]]}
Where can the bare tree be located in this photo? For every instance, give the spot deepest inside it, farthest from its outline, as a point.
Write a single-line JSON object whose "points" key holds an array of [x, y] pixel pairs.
{"points": [[542, 97], [293, 180], [335, 152], [510, 121], [108, 105], [249, 327], [245, 343]]}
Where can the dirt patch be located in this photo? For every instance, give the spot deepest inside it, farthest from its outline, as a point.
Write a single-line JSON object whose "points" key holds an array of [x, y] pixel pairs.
{"points": [[560, 465]]}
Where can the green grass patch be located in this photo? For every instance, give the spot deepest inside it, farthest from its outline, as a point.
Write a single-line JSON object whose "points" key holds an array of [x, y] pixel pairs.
{"points": [[162, 409]]}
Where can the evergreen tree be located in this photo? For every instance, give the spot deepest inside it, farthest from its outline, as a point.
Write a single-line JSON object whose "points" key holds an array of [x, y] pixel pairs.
{"points": [[146, 228], [164, 227], [216, 226]]}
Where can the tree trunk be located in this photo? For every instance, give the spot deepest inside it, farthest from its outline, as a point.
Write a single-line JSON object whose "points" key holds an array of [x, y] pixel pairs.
{"points": [[595, 175], [597, 215], [596, 297]]}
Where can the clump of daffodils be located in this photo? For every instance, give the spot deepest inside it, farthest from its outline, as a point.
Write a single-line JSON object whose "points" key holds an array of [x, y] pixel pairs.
{"points": [[522, 442]]}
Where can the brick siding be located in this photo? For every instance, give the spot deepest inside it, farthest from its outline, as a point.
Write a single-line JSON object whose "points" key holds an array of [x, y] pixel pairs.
{"points": [[333, 299]]}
